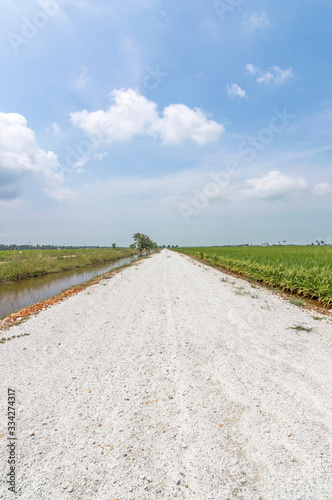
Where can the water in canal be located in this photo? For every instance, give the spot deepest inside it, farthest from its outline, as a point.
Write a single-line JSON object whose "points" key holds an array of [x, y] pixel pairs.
{"points": [[20, 294]]}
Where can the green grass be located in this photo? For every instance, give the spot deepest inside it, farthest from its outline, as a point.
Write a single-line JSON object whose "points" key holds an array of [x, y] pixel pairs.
{"points": [[297, 302], [300, 328], [15, 266], [303, 270], [266, 307], [6, 339]]}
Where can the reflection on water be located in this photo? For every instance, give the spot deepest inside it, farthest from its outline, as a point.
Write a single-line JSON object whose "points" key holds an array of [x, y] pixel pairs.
{"points": [[20, 294]]}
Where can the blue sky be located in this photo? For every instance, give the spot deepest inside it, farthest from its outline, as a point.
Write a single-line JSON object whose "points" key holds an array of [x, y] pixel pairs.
{"points": [[197, 122]]}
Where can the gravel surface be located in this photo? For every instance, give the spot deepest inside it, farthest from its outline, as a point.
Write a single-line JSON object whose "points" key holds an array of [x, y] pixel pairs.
{"points": [[170, 380]]}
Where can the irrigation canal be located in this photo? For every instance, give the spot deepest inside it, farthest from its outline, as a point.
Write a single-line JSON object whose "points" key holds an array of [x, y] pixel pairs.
{"points": [[20, 294]]}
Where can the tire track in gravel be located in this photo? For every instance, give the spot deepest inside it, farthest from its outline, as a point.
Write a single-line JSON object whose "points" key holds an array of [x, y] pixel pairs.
{"points": [[260, 369], [207, 415]]}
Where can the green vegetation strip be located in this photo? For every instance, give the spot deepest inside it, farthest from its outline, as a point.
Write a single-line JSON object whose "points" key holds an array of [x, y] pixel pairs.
{"points": [[29, 263], [304, 270]]}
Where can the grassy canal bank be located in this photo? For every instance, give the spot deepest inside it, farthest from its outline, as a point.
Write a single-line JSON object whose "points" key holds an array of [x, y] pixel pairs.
{"points": [[16, 265]]}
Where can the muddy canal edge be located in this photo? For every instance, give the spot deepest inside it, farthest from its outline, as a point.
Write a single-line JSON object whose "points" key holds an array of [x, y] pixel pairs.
{"points": [[18, 317]]}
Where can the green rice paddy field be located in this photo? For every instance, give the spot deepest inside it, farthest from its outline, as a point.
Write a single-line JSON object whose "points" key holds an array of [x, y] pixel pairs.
{"points": [[303, 270]]}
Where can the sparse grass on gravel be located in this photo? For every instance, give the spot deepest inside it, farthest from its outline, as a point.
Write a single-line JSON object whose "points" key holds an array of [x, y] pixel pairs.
{"points": [[300, 328], [267, 306], [6, 339]]}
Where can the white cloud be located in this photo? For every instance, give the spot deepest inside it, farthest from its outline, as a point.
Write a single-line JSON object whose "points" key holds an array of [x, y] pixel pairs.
{"points": [[20, 152], [250, 68], [22, 159], [274, 186], [280, 76], [79, 164], [274, 74], [266, 78], [132, 114], [258, 21], [55, 129], [180, 123], [323, 189], [100, 156], [235, 91], [81, 80]]}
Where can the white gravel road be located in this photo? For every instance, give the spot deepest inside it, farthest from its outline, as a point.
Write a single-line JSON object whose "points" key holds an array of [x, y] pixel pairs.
{"points": [[170, 380]]}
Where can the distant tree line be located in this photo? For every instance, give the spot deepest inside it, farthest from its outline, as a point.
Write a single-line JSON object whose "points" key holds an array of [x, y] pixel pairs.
{"points": [[143, 242], [50, 247]]}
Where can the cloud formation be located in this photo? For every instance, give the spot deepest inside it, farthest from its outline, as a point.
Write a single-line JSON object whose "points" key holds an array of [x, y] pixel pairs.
{"points": [[323, 189], [258, 21], [131, 114], [251, 70], [235, 91], [275, 186], [22, 160], [274, 74]]}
